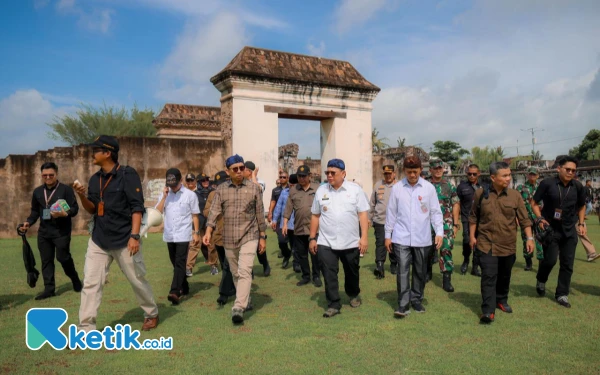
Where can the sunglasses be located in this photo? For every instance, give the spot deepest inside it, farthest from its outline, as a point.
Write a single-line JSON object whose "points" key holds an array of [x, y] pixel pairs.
{"points": [[472, 174], [240, 169], [190, 180], [330, 173], [283, 177], [570, 170], [48, 175]]}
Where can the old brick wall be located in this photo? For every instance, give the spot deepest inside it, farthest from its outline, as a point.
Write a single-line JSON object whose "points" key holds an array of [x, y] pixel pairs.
{"points": [[151, 157]]}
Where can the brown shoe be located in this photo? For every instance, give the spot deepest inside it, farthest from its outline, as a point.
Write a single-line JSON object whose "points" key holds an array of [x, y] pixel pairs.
{"points": [[150, 323]]}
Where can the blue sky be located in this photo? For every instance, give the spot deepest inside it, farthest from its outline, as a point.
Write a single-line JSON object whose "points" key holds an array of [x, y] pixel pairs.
{"points": [[476, 72]]}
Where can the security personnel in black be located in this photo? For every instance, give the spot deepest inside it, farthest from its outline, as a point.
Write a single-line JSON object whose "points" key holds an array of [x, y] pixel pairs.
{"points": [[466, 192], [202, 192], [54, 235], [563, 209]]}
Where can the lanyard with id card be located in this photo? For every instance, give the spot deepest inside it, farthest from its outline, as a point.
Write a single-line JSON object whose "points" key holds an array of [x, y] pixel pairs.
{"points": [[100, 211], [558, 211], [46, 211]]}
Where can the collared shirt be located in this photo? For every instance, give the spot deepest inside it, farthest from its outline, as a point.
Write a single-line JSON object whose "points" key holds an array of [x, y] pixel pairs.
{"points": [[497, 226], [55, 227], [379, 201], [178, 210], [556, 195], [217, 234], [299, 203], [276, 193], [338, 210], [280, 206], [122, 197], [412, 211], [466, 191], [243, 212]]}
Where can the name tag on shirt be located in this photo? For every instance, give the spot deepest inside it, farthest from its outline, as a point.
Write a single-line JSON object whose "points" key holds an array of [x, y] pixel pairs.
{"points": [[558, 214], [46, 214]]}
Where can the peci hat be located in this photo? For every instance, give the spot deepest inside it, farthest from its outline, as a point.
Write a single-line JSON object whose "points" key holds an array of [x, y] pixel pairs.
{"points": [[336, 163], [250, 165], [533, 170], [234, 159], [220, 177], [434, 163], [106, 142], [303, 170], [190, 177], [388, 168]]}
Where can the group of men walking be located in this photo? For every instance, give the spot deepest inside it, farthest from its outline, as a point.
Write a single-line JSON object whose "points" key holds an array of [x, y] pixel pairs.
{"points": [[415, 221]]}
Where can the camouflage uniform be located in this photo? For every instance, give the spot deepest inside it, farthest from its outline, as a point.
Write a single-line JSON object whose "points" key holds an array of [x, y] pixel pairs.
{"points": [[448, 198], [527, 191]]}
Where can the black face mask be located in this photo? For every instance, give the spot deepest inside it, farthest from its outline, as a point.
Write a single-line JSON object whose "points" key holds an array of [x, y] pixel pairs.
{"points": [[172, 181]]}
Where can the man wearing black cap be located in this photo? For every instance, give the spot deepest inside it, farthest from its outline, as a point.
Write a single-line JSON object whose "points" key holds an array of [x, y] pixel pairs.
{"points": [[209, 252], [378, 203], [54, 235], [299, 203], [116, 200], [180, 208], [251, 174]]}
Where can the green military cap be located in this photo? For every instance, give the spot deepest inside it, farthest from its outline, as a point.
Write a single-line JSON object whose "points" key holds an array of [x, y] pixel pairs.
{"points": [[434, 163], [533, 170]]}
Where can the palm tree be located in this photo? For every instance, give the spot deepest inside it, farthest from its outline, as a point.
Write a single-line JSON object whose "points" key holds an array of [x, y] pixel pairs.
{"points": [[536, 155], [401, 142], [378, 143]]}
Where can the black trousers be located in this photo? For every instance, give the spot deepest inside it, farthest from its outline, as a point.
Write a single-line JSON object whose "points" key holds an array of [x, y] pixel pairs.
{"points": [[301, 246], [285, 242], [561, 247], [467, 246], [226, 287], [495, 279], [61, 247], [262, 258], [178, 252], [329, 260], [380, 250]]}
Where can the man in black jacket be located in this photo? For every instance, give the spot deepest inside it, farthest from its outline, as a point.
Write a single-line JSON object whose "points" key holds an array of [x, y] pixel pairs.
{"points": [[54, 235]]}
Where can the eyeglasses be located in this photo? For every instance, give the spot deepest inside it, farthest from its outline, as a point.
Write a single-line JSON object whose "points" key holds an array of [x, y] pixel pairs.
{"points": [[283, 177], [332, 173], [570, 170], [241, 168], [472, 174], [48, 175]]}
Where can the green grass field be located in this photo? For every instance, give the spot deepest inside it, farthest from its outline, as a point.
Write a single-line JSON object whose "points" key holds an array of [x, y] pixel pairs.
{"points": [[287, 334]]}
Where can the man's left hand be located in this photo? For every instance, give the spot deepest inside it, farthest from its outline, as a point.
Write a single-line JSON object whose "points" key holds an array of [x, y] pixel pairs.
{"points": [[363, 245], [530, 246], [581, 230], [438, 242], [262, 246], [133, 246], [195, 239], [57, 214]]}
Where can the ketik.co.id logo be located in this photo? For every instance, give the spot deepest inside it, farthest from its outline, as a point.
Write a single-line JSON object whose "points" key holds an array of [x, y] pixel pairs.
{"points": [[43, 326]]}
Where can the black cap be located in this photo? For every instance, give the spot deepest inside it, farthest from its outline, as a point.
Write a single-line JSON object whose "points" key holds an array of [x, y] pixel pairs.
{"points": [[106, 142], [220, 177], [293, 179], [250, 165], [190, 177], [173, 177], [203, 177], [303, 170]]}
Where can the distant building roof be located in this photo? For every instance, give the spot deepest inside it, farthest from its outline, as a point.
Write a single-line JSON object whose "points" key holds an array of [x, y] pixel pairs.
{"points": [[188, 121], [259, 63]]}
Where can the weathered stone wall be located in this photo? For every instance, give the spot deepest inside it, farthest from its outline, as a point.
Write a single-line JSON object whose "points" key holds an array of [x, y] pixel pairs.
{"points": [[151, 157]]}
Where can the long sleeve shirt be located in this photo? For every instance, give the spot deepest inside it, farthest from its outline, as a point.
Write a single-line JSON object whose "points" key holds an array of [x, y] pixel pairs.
{"points": [[55, 227], [411, 213], [280, 207]]}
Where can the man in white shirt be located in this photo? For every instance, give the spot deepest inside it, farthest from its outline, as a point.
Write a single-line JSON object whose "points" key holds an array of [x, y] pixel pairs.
{"points": [[181, 210], [337, 208], [413, 209]]}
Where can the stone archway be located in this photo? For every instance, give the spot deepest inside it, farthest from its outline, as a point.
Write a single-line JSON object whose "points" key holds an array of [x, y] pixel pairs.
{"points": [[259, 86]]}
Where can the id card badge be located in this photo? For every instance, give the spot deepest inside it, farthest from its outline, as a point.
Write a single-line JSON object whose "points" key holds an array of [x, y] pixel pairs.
{"points": [[424, 208], [558, 214], [100, 209], [46, 214]]}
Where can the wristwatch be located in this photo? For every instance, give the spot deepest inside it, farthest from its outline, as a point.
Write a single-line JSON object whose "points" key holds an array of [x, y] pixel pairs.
{"points": [[581, 224], [530, 238], [312, 239], [455, 225], [197, 232], [135, 237], [263, 237]]}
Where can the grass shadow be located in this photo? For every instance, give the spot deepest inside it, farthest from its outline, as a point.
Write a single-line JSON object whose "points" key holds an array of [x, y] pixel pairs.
{"points": [[198, 287], [389, 296], [10, 301], [320, 298], [136, 315], [259, 300], [527, 290], [593, 290], [64, 288], [469, 300]]}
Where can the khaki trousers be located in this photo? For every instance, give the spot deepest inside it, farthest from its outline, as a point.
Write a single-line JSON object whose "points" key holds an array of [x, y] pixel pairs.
{"points": [[241, 260], [210, 253], [587, 244], [97, 264]]}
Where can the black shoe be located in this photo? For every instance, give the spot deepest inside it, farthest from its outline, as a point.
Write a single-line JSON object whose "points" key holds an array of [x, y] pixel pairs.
{"points": [[317, 282], [379, 270], [504, 307], [44, 295], [393, 268], [563, 301], [237, 316], [528, 264], [267, 270], [486, 318], [297, 268], [475, 271], [77, 285], [447, 282], [280, 255], [174, 299], [540, 288], [286, 263], [464, 268], [302, 282], [222, 300], [418, 307]]}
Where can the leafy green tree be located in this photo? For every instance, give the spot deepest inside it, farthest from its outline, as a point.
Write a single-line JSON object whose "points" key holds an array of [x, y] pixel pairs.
{"points": [[448, 151], [590, 142], [89, 122], [401, 142], [379, 144], [485, 156]]}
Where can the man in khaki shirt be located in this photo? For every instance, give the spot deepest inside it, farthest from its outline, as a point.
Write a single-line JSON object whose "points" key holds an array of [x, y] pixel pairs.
{"points": [[493, 233], [300, 201]]}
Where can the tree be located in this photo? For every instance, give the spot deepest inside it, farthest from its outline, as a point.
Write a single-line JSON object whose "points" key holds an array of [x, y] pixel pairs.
{"points": [[590, 142], [536, 155], [89, 122], [401, 142], [378, 143], [448, 151], [483, 157]]}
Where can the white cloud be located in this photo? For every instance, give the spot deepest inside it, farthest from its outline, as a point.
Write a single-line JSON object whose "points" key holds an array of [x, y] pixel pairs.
{"points": [[95, 19], [316, 50], [23, 118], [39, 4], [353, 13]]}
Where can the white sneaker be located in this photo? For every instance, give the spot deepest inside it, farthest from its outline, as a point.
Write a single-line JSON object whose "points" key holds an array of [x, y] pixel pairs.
{"points": [[593, 257], [188, 273]]}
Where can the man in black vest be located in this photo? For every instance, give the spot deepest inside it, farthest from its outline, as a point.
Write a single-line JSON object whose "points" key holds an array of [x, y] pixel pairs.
{"points": [[54, 235]]}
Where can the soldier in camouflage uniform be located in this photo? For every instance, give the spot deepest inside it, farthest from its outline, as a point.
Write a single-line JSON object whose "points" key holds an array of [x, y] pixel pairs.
{"points": [[450, 205], [527, 191]]}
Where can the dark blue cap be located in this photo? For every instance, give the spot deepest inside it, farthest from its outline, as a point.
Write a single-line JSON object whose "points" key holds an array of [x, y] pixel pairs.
{"points": [[336, 163], [233, 160]]}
